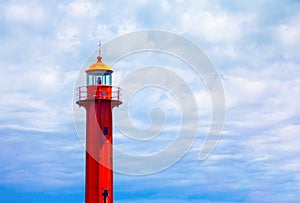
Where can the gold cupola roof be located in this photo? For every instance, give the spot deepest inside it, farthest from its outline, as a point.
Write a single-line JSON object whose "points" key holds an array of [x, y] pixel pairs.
{"points": [[99, 66]]}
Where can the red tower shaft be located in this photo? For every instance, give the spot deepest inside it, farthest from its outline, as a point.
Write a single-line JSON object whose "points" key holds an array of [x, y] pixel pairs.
{"points": [[99, 159], [99, 98]]}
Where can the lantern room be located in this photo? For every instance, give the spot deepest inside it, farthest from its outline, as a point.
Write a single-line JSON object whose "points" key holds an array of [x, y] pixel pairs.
{"points": [[99, 74], [98, 78]]}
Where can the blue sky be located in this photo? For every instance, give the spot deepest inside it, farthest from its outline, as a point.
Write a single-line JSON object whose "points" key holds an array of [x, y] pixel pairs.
{"points": [[254, 47]]}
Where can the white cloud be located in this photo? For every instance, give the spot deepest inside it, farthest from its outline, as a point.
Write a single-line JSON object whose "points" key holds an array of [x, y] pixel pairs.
{"points": [[36, 165], [213, 27], [241, 91], [289, 34], [209, 22], [28, 13], [82, 9]]}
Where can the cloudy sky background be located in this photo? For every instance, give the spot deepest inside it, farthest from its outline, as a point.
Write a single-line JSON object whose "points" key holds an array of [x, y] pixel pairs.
{"points": [[255, 48]]}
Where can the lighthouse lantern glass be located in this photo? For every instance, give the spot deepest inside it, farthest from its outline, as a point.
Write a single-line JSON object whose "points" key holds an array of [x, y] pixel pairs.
{"points": [[98, 78]]}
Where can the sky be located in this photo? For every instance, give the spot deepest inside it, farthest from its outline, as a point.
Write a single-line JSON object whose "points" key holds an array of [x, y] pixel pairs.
{"points": [[254, 46]]}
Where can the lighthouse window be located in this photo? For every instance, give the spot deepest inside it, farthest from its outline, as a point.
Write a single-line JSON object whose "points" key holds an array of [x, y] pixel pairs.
{"points": [[90, 79], [107, 78], [105, 130]]}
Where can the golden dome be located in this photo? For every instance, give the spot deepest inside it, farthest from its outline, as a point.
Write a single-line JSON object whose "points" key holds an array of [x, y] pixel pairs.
{"points": [[99, 66]]}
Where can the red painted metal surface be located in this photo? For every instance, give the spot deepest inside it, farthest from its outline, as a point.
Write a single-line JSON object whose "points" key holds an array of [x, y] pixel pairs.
{"points": [[99, 100], [98, 92]]}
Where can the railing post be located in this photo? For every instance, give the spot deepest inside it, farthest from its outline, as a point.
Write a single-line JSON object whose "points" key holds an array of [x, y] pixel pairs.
{"points": [[79, 92]]}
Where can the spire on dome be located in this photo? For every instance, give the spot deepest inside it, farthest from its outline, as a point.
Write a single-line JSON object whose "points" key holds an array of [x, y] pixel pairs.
{"points": [[100, 47], [99, 65]]}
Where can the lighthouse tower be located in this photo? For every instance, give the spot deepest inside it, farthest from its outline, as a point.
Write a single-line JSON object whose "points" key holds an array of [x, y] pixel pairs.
{"points": [[98, 98]]}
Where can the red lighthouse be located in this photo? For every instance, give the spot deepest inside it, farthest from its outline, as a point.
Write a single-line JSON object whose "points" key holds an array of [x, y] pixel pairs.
{"points": [[99, 97]]}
